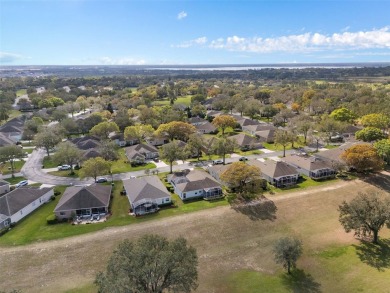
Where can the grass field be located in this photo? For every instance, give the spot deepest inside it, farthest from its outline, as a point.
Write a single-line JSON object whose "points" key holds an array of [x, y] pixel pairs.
{"points": [[234, 248], [15, 180], [21, 92], [186, 100], [5, 168]]}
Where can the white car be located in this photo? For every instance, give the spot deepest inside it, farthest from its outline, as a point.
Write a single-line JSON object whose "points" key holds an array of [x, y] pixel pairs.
{"points": [[21, 183], [64, 167]]}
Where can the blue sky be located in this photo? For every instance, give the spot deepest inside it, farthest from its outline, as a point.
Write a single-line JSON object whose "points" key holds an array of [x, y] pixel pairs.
{"points": [[119, 32]]}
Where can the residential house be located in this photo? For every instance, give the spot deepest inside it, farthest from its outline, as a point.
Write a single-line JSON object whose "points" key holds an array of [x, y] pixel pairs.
{"points": [[195, 184], [245, 121], [89, 144], [202, 125], [146, 194], [253, 129], [267, 136], [12, 130], [216, 171], [20, 202], [4, 187], [141, 152], [333, 156], [84, 201], [350, 131], [120, 140], [312, 167], [157, 141], [246, 142], [277, 173]]}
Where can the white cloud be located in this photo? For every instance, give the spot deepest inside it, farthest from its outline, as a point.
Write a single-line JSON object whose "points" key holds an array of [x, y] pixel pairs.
{"points": [[6, 57], [121, 61], [305, 42], [182, 15], [195, 42]]}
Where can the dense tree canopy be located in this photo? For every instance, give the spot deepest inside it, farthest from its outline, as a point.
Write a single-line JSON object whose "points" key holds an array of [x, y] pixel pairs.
{"points": [[47, 139], [95, 167], [240, 175], [224, 121], [176, 130], [366, 214], [369, 134], [287, 250], [152, 264], [362, 157]]}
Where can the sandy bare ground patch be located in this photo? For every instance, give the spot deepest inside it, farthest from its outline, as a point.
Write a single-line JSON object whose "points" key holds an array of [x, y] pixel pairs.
{"points": [[226, 240]]}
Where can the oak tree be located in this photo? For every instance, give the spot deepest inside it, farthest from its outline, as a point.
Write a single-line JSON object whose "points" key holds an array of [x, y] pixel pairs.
{"points": [[224, 121], [287, 250]]}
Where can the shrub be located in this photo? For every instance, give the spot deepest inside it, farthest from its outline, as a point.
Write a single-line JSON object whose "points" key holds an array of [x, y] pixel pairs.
{"points": [[57, 192], [52, 197], [52, 219]]}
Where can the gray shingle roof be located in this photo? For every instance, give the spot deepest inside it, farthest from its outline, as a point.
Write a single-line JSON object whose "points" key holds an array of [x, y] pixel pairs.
{"points": [[145, 187], [306, 162], [84, 197], [243, 139], [139, 149], [273, 168], [17, 199]]}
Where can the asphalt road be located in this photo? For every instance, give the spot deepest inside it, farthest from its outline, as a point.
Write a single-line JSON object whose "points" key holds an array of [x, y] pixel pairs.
{"points": [[32, 169]]}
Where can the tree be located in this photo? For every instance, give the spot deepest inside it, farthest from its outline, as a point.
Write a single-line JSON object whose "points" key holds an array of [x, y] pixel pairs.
{"points": [[122, 119], [224, 121], [383, 149], [286, 251], [70, 126], [108, 150], [4, 111], [103, 129], [139, 132], [369, 134], [83, 103], [176, 130], [10, 154], [223, 146], [343, 115], [367, 213], [329, 126], [303, 125], [67, 153], [362, 157], [380, 121], [47, 139], [95, 167], [252, 108], [172, 152], [152, 264], [269, 111], [195, 144], [239, 175], [283, 138]]}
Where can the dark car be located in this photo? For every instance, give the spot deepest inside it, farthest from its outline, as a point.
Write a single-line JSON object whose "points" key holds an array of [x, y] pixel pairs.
{"points": [[243, 159], [101, 179]]}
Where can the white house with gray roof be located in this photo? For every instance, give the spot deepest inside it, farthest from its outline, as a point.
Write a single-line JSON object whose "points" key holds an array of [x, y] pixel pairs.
{"points": [[195, 184], [146, 194], [84, 201], [277, 173], [20, 202], [312, 167]]}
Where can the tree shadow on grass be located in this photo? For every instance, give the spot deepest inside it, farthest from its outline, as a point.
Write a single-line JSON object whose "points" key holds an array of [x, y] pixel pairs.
{"points": [[257, 209], [301, 282], [375, 255], [378, 180]]}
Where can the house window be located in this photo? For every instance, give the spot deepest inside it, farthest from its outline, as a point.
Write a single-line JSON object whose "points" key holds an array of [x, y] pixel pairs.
{"points": [[184, 195], [21, 212], [33, 203], [167, 199], [62, 213]]}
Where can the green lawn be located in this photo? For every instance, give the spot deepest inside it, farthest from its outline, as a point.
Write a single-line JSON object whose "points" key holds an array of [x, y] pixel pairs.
{"points": [[303, 183], [49, 163], [15, 180], [5, 168], [34, 227], [186, 100], [29, 151], [122, 166], [21, 92]]}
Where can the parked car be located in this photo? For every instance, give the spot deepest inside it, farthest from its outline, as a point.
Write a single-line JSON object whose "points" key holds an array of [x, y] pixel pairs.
{"points": [[21, 183], [64, 167], [217, 162], [243, 159], [101, 179]]}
